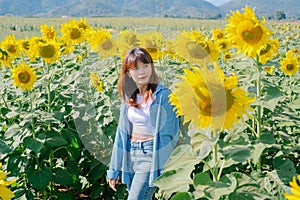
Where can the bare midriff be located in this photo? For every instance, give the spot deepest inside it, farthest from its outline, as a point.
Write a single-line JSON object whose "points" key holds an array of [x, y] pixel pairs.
{"points": [[141, 137]]}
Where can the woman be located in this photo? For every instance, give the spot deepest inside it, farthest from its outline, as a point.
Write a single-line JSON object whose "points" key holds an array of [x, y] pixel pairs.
{"points": [[148, 128]]}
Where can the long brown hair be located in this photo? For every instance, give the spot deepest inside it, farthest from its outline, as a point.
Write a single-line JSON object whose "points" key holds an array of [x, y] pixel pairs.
{"points": [[127, 88]]}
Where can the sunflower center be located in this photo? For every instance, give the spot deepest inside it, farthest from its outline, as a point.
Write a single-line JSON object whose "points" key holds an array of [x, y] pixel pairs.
{"points": [[132, 40], [47, 51], [24, 77], [227, 56], [220, 35], [50, 35], [223, 46], [150, 46], [265, 50], [216, 106], [75, 33], [249, 32], [25, 45], [107, 44], [11, 48], [196, 50], [82, 25], [290, 67]]}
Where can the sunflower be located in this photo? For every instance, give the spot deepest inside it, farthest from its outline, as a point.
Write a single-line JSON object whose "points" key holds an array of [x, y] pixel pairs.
{"points": [[101, 41], [24, 44], [48, 32], [295, 187], [153, 42], [83, 24], [5, 59], [73, 32], [5, 193], [169, 49], [96, 81], [65, 47], [227, 56], [222, 45], [268, 51], [208, 99], [193, 47], [48, 50], [246, 32], [24, 76], [127, 40], [269, 69], [218, 34], [289, 64], [11, 46]]}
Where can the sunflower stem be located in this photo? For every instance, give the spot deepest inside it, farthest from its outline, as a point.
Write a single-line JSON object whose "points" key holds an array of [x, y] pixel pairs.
{"points": [[32, 118], [216, 161], [116, 66], [4, 101], [49, 93], [258, 108], [215, 170]]}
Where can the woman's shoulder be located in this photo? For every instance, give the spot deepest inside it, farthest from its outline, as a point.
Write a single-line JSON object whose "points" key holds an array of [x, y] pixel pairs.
{"points": [[162, 90]]}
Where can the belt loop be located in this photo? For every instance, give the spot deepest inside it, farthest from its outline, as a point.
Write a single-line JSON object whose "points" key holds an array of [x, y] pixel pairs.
{"points": [[141, 147]]}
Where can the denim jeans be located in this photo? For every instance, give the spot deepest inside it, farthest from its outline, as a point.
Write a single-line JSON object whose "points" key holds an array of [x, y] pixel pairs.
{"points": [[140, 163]]}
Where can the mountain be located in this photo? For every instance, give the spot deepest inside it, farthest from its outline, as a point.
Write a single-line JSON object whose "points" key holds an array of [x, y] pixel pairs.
{"points": [[95, 8], [266, 8], [201, 9]]}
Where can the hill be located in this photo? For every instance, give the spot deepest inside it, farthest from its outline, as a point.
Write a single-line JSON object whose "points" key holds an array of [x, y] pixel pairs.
{"points": [[266, 8], [199, 9], [98, 8]]}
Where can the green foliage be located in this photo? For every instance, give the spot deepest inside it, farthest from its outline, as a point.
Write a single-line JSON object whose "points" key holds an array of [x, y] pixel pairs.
{"points": [[58, 138]]}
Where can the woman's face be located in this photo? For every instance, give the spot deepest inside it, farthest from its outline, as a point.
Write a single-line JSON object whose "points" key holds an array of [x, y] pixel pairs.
{"points": [[141, 73]]}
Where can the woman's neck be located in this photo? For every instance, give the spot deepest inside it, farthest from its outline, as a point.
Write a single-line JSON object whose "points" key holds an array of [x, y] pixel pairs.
{"points": [[142, 89]]}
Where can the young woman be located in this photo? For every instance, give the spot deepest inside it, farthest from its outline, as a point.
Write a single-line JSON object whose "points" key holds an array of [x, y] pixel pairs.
{"points": [[147, 129]]}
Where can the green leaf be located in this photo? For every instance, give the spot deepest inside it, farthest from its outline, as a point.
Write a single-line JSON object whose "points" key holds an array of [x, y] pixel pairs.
{"points": [[202, 144], [257, 151], [202, 178], [39, 178], [285, 169], [62, 176], [241, 196], [4, 148], [214, 190], [248, 186], [272, 92], [55, 139], [65, 195], [12, 131], [267, 139], [33, 144], [182, 196], [177, 171], [237, 153]]}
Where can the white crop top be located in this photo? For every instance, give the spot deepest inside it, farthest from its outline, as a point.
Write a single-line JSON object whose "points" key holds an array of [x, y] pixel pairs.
{"points": [[140, 117]]}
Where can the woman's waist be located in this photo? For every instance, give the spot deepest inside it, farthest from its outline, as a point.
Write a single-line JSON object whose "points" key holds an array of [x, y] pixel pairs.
{"points": [[141, 144], [141, 137]]}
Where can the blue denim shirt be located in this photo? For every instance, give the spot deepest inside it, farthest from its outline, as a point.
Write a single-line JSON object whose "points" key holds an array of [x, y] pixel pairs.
{"points": [[166, 126]]}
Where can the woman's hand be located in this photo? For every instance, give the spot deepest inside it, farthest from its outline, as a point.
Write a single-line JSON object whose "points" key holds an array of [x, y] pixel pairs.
{"points": [[113, 182]]}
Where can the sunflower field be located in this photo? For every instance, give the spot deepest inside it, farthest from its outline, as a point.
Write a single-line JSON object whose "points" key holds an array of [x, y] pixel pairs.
{"points": [[235, 85]]}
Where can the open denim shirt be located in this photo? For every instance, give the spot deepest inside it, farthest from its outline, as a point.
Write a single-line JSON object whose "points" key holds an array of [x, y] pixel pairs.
{"points": [[166, 130]]}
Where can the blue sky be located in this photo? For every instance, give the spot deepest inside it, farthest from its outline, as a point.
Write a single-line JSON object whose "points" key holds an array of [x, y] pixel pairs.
{"points": [[217, 2]]}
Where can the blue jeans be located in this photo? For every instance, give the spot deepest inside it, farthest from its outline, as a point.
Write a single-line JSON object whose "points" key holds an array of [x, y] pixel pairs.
{"points": [[140, 163]]}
